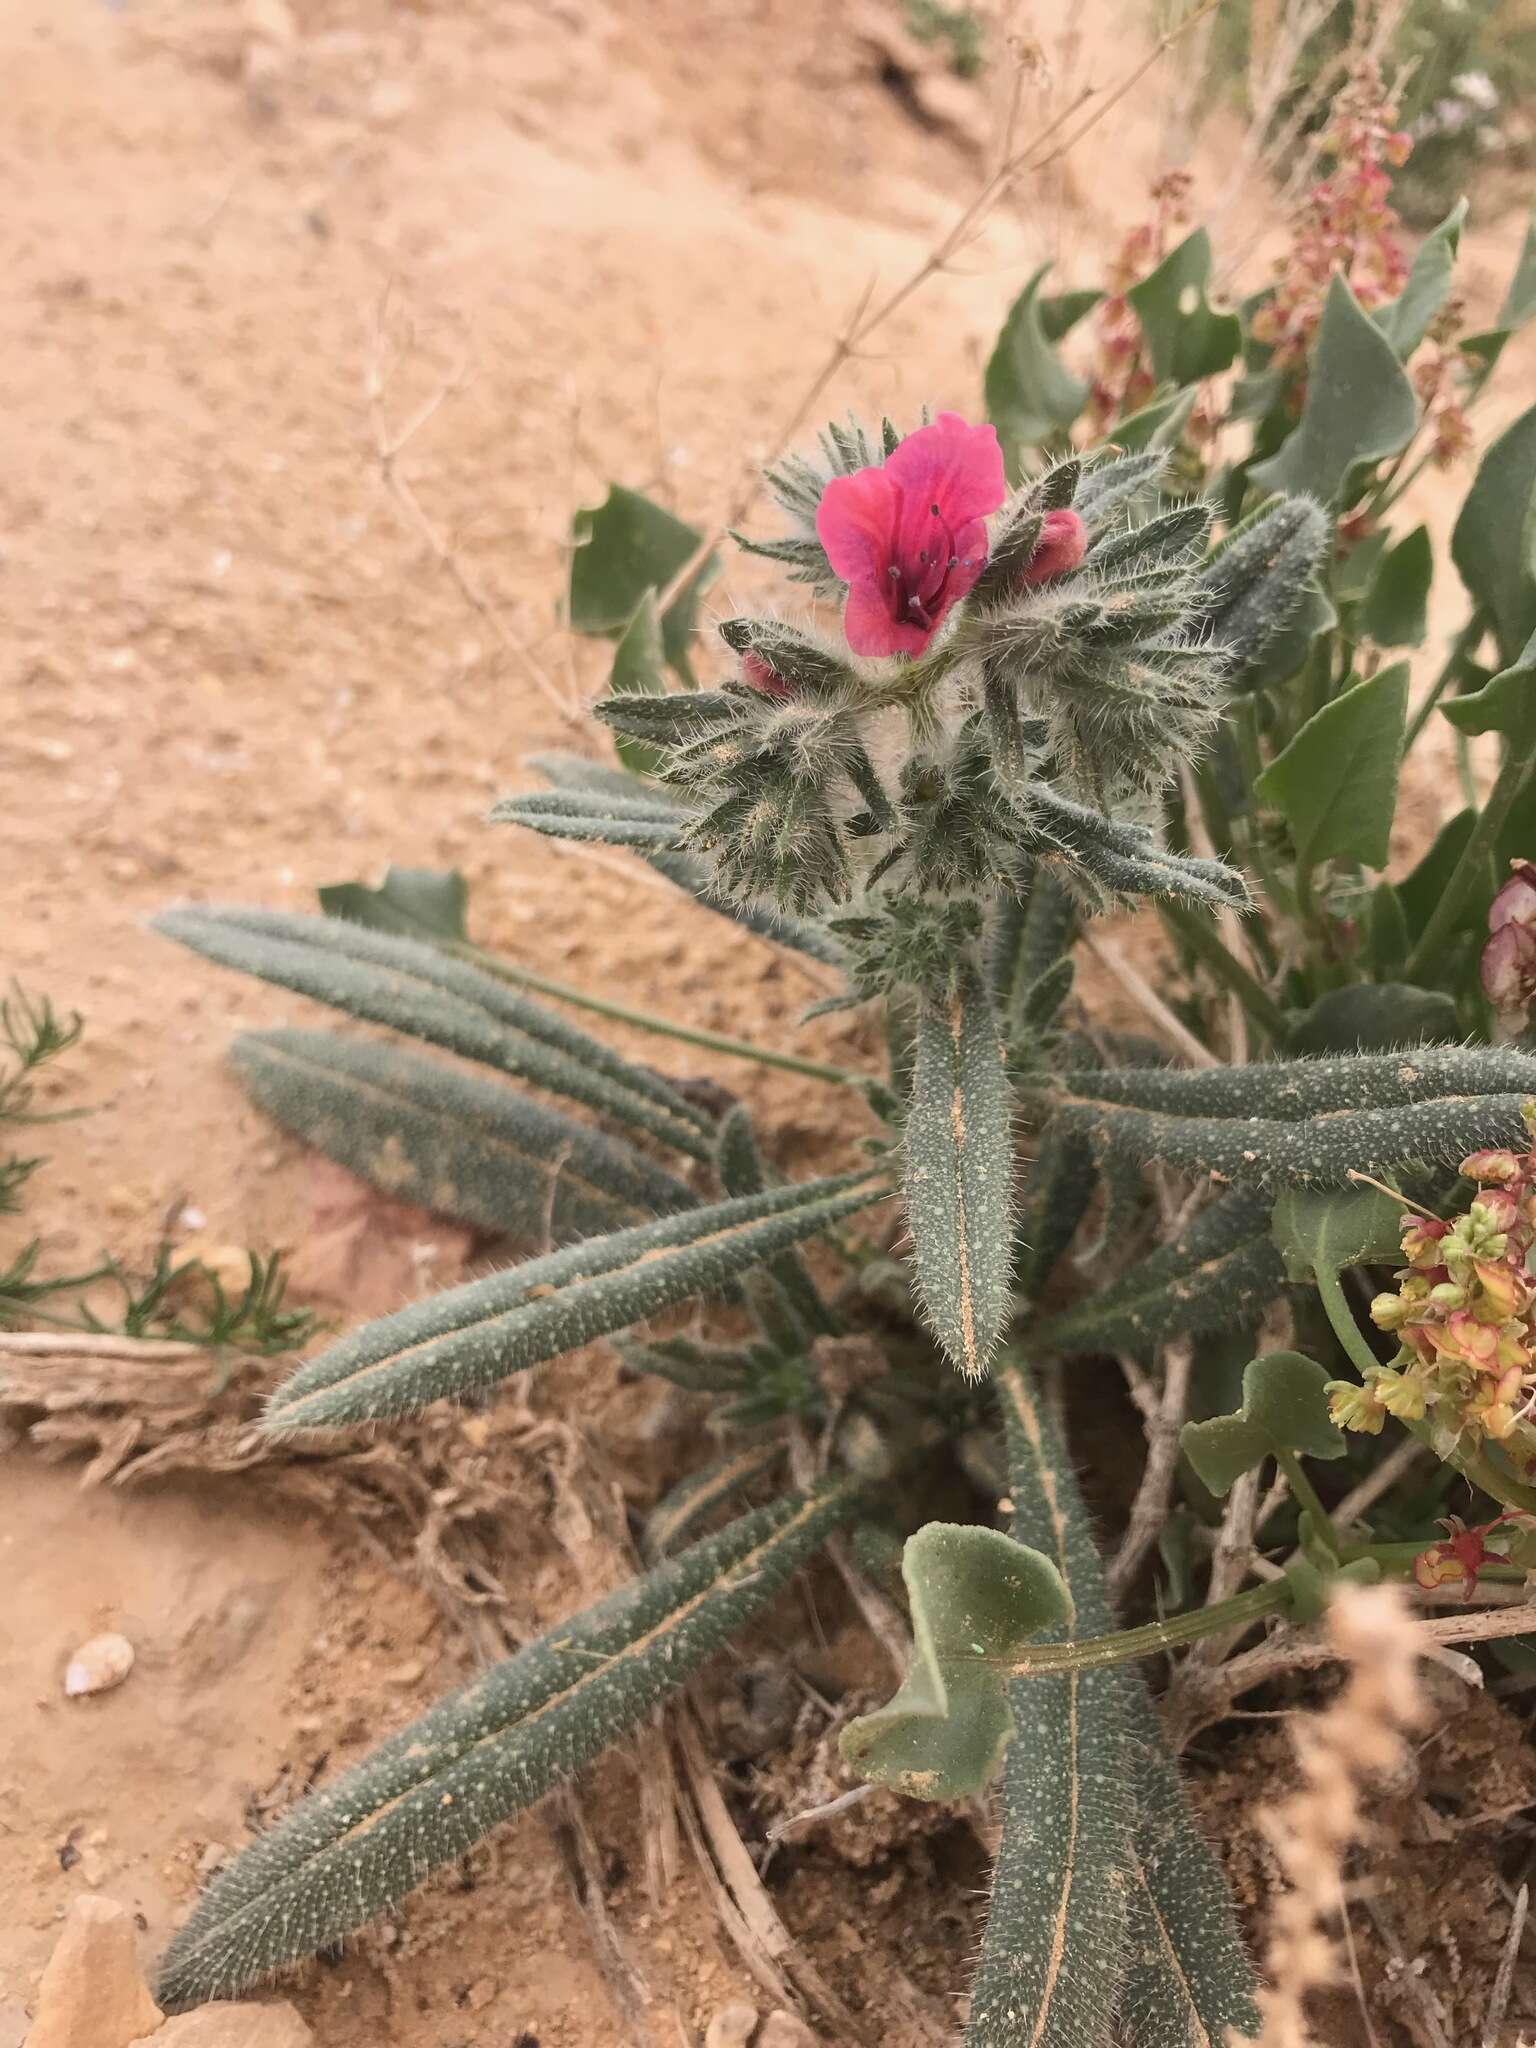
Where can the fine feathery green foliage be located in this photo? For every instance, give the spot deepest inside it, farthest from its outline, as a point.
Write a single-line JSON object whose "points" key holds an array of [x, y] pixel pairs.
{"points": [[483, 1753]]}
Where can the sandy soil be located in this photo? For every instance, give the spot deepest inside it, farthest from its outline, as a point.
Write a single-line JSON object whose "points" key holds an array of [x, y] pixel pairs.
{"points": [[235, 668]]}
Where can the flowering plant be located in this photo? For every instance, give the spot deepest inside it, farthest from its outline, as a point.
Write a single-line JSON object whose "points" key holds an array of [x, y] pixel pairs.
{"points": [[1048, 678]]}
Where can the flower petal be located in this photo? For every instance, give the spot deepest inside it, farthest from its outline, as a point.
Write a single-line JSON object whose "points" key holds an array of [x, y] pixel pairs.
{"points": [[870, 628], [953, 465], [856, 523]]}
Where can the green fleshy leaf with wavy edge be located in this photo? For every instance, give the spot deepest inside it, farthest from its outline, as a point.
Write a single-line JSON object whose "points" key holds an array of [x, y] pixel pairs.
{"points": [[976, 1598], [1506, 704], [432, 995], [1371, 1016], [421, 1131], [426, 1795], [1187, 338], [1396, 609], [418, 903], [1493, 543], [1031, 396], [1359, 405], [1324, 1233], [1406, 319], [959, 1172], [1285, 1408], [1336, 782], [474, 1336], [628, 546]]}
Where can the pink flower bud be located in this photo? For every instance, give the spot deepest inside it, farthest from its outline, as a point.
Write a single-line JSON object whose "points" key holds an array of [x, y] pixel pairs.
{"points": [[764, 677], [1062, 544]]}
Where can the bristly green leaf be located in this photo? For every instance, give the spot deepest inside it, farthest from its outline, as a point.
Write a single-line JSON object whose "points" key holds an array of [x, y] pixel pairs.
{"points": [[742, 1171], [1336, 783], [1118, 858], [976, 1599], [433, 996], [959, 1179], [1295, 1091], [1190, 1983], [461, 1342], [625, 547], [424, 1132], [1396, 611], [647, 823], [418, 903], [1054, 1954], [426, 1795], [1406, 319], [1255, 584], [1187, 338], [1030, 394], [1285, 1408], [1359, 406], [1221, 1267], [1058, 1186], [1494, 541], [678, 1514]]}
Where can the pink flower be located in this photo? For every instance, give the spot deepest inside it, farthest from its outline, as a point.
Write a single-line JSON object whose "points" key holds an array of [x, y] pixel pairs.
{"points": [[1508, 964], [909, 535]]}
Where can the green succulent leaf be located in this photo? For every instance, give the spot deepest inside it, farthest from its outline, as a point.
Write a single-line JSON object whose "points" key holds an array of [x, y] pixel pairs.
{"points": [[1336, 783], [1359, 406], [959, 1178], [1505, 705], [1186, 337], [742, 1171], [1322, 1233], [460, 1342], [976, 1598], [1494, 541], [417, 903], [1119, 858], [426, 1795], [1396, 611], [624, 548], [1406, 319], [1031, 396], [1372, 1016], [423, 1132], [639, 668], [418, 989], [1285, 1408]]}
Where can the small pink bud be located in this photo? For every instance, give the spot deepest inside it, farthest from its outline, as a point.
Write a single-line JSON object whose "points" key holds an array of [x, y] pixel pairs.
{"points": [[1516, 901], [1062, 544], [764, 677]]}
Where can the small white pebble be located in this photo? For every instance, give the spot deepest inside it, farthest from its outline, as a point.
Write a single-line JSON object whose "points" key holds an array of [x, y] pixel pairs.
{"points": [[98, 1665]]}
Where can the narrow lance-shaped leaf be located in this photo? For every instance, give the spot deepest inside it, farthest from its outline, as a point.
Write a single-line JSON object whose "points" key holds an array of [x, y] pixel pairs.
{"points": [[1295, 1090], [418, 989], [430, 1792], [959, 1179], [743, 1172], [1221, 1266], [1123, 859], [1254, 584], [1336, 783], [1406, 319], [1396, 611], [1359, 405], [678, 1514], [1054, 1952], [474, 1336], [646, 823], [423, 1132]]}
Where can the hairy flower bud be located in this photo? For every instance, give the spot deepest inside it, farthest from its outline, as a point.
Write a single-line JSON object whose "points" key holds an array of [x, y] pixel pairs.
{"points": [[1062, 544]]}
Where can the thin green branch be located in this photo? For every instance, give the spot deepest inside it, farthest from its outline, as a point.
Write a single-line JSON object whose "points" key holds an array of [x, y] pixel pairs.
{"points": [[1461, 648], [1471, 870], [1191, 929]]}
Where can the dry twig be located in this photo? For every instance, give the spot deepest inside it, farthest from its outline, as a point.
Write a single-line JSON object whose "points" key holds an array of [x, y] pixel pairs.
{"points": [[1149, 1510]]}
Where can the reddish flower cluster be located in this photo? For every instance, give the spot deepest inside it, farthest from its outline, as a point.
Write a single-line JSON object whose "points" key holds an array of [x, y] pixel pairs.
{"points": [[1347, 221], [1507, 1539], [1508, 964], [1123, 378], [1465, 1314]]}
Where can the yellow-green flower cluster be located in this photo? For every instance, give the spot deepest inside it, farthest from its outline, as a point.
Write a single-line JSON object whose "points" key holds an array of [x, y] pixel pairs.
{"points": [[1464, 1312]]}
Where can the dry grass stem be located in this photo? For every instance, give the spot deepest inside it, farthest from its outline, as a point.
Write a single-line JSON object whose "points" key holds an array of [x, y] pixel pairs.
{"points": [[1149, 1510]]}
